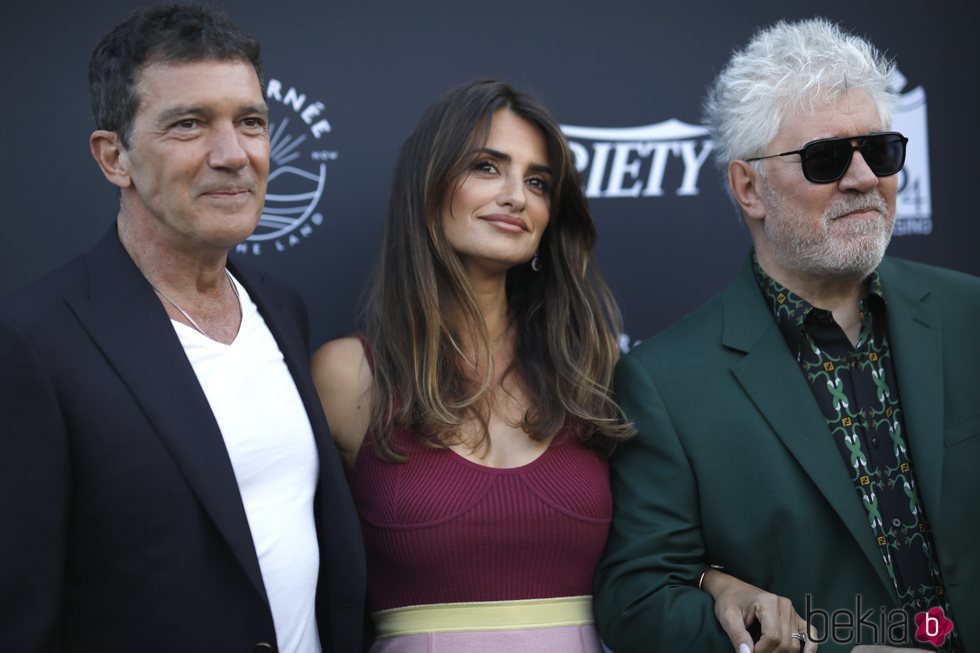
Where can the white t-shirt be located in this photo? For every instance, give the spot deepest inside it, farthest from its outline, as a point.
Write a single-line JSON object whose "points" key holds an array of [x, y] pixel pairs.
{"points": [[270, 442]]}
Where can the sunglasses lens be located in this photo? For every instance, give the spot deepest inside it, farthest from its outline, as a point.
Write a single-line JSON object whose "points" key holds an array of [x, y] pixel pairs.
{"points": [[884, 154], [828, 160]]}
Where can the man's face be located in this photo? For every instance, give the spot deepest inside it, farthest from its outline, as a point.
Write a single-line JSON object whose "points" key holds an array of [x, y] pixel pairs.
{"points": [[825, 231], [198, 160]]}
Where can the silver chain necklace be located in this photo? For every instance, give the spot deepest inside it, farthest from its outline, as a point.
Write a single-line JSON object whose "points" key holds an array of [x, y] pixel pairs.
{"points": [[187, 315]]}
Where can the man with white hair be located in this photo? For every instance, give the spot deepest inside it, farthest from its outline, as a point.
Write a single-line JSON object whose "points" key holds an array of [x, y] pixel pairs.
{"points": [[812, 429]]}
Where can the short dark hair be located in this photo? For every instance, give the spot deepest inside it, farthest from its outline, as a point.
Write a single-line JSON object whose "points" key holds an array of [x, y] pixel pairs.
{"points": [[167, 33]]}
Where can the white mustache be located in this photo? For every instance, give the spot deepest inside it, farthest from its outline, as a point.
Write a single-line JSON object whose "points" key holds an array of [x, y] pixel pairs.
{"points": [[848, 204]]}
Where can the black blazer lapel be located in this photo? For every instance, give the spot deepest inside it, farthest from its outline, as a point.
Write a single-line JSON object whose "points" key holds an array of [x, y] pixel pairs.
{"points": [[915, 334], [127, 322], [772, 379], [291, 337], [341, 586]]}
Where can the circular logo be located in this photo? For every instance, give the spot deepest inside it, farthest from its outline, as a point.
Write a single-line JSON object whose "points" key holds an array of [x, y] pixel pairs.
{"points": [[297, 171]]}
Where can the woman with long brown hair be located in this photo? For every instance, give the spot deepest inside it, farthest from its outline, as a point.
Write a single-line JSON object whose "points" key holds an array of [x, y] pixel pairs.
{"points": [[474, 410], [475, 413]]}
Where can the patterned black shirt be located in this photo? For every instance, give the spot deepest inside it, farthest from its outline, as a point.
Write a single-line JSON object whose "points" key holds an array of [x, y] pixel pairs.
{"points": [[857, 393]]}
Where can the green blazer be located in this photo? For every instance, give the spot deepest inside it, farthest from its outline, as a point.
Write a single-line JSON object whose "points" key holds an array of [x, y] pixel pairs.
{"points": [[734, 465]]}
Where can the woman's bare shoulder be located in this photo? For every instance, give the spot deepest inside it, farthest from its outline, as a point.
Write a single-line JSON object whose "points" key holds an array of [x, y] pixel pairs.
{"points": [[343, 379]]}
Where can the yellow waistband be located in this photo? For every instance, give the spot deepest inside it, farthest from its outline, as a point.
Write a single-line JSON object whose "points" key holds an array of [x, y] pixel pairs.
{"points": [[484, 615]]}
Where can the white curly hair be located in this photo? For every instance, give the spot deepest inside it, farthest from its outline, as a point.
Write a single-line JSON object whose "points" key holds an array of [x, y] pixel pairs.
{"points": [[790, 65]]}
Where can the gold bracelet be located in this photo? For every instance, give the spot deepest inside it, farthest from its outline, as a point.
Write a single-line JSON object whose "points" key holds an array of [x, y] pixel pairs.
{"points": [[706, 570]]}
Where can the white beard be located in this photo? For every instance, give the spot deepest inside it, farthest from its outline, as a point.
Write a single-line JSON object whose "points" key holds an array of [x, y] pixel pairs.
{"points": [[847, 249]]}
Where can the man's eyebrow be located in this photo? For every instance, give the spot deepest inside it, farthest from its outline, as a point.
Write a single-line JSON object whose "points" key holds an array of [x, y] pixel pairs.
{"points": [[262, 109], [201, 112], [503, 156], [179, 111]]}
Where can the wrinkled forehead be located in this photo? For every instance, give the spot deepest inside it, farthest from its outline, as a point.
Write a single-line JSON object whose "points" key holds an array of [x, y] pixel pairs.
{"points": [[200, 80], [828, 115]]}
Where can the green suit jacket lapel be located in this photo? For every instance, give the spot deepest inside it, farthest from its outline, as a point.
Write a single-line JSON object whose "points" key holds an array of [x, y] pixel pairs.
{"points": [[915, 336], [771, 377]]}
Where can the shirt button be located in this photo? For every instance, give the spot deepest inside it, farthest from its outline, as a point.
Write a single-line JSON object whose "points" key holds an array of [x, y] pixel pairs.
{"points": [[874, 442], [896, 522]]}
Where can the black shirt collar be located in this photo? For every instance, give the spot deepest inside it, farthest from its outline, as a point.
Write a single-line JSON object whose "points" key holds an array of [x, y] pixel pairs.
{"points": [[793, 313]]}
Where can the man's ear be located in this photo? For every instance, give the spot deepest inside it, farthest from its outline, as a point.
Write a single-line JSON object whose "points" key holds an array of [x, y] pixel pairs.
{"points": [[109, 153], [745, 184]]}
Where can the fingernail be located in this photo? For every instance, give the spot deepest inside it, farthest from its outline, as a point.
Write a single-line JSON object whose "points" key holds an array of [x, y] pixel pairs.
{"points": [[744, 648]]}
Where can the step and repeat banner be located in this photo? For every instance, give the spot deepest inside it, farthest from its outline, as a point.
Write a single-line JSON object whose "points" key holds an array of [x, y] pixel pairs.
{"points": [[346, 82]]}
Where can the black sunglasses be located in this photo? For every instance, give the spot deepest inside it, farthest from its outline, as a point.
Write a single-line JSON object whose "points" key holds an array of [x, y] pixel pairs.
{"points": [[827, 160]]}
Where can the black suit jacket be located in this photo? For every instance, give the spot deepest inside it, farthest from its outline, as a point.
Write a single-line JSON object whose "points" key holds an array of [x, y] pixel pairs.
{"points": [[124, 526]]}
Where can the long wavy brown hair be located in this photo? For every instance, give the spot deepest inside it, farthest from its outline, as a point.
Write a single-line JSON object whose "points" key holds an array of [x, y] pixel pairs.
{"points": [[421, 310]]}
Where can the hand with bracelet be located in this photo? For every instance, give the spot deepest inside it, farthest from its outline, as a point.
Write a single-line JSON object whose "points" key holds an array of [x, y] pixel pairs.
{"points": [[739, 605]]}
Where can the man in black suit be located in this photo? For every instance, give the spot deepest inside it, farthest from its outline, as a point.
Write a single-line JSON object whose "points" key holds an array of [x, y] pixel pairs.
{"points": [[168, 481]]}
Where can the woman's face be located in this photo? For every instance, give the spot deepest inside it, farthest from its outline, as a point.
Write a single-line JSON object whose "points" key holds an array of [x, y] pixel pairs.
{"points": [[498, 211]]}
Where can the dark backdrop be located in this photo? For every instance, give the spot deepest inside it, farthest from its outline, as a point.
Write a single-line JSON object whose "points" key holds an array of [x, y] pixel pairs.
{"points": [[362, 72]]}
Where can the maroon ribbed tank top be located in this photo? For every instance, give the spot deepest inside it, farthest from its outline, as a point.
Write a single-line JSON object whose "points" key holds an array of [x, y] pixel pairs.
{"points": [[440, 528]]}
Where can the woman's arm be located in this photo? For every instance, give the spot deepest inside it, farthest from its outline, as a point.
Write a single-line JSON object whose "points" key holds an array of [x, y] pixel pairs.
{"points": [[738, 605], [342, 377]]}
